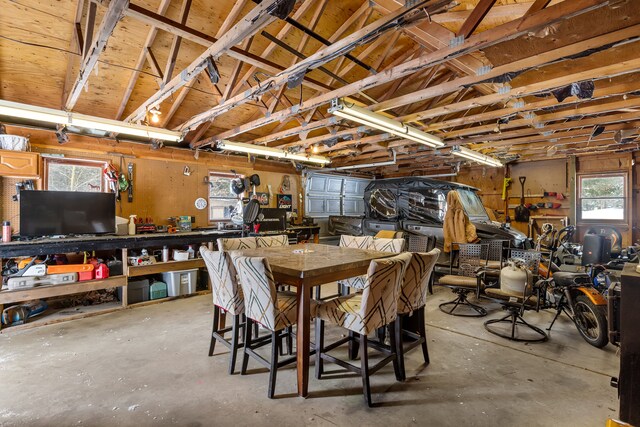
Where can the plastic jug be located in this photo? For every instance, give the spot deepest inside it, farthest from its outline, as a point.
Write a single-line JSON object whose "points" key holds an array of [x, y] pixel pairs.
{"points": [[132, 225]]}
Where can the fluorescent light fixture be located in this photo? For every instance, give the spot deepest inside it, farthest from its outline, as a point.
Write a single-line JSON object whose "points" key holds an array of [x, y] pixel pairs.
{"points": [[49, 115], [269, 152], [475, 156], [378, 121]]}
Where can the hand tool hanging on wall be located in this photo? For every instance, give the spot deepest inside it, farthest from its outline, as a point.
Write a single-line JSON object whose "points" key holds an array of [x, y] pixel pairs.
{"points": [[130, 169], [522, 213]]}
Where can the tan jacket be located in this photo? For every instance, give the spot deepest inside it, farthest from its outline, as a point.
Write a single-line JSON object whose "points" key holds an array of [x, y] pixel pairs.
{"points": [[457, 228]]}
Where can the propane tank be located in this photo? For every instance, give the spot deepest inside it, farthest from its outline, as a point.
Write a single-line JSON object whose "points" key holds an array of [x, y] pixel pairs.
{"points": [[515, 277]]}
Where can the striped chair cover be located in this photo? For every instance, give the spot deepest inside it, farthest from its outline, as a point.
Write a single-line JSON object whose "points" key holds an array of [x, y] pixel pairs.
{"points": [[377, 305], [269, 241], [273, 310], [387, 245], [236, 244], [382, 245], [225, 290], [413, 294], [358, 242]]}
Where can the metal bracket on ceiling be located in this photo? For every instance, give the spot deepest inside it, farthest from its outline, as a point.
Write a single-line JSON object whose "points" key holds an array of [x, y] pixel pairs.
{"points": [[518, 104], [456, 41], [483, 70]]}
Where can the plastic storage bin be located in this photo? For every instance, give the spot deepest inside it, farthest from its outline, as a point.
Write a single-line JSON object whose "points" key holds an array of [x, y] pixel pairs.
{"points": [[137, 291], [181, 282]]}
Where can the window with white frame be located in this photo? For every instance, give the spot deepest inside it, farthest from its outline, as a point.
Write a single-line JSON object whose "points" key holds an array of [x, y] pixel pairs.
{"points": [[602, 197], [63, 174], [222, 201]]}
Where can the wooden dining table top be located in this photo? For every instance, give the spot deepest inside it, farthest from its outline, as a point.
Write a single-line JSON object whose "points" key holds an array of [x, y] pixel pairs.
{"points": [[309, 260]]}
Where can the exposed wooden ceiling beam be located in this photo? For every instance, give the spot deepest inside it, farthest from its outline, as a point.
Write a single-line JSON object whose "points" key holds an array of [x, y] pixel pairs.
{"points": [[510, 30], [504, 113], [477, 15], [89, 24], [75, 44], [151, 36], [111, 17], [175, 44], [496, 12], [257, 18], [537, 6], [367, 34], [541, 59], [173, 27], [284, 31]]}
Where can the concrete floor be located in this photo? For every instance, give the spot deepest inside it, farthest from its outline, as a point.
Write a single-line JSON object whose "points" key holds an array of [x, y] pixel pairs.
{"points": [[149, 366]]}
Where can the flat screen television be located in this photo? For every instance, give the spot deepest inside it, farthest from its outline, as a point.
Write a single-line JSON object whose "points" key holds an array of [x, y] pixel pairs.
{"points": [[51, 213]]}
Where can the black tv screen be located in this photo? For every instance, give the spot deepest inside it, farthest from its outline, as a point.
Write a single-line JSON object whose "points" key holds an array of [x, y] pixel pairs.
{"points": [[50, 213]]}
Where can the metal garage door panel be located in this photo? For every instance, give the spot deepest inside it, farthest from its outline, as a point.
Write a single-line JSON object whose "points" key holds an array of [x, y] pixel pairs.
{"points": [[332, 206], [353, 206], [317, 184], [334, 186], [315, 206]]}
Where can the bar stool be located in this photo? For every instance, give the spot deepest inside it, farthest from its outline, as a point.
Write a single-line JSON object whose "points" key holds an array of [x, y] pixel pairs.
{"points": [[275, 311], [363, 313], [227, 298], [413, 297]]}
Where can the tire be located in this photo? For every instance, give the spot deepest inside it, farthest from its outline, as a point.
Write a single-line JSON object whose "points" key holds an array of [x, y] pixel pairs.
{"points": [[591, 321]]}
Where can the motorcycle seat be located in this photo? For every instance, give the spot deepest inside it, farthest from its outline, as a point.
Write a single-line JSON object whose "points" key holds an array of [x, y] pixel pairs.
{"points": [[570, 279]]}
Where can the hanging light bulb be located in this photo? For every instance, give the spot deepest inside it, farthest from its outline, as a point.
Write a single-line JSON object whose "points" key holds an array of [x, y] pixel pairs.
{"points": [[155, 115], [315, 149]]}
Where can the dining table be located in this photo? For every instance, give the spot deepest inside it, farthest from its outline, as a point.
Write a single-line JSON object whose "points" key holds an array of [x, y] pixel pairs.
{"points": [[305, 266]]}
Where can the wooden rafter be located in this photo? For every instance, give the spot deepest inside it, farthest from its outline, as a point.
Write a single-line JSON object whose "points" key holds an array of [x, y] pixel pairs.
{"points": [[175, 44], [76, 44], [151, 36], [256, 19], [111, 17], [537, 6], [477, 15], [557, 13], [369, 33]]}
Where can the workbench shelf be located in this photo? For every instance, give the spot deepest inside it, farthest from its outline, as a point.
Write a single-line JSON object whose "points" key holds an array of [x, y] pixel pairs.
{"points": [[163, 267], [49, 291]]}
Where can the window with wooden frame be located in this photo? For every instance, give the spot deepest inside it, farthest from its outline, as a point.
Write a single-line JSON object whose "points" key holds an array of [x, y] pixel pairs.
{"points": [[222, 201], [64, 174], [602, 197]]}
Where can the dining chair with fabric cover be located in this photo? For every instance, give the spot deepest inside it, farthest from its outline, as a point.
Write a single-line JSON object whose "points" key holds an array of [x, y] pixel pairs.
{"points": [[422, 244], [471, 262], [356, 242], [362, 314], [272, 241], [516, 303], [273, 310], [227, 298], [227, 245], [413, 297], [382, 245]]}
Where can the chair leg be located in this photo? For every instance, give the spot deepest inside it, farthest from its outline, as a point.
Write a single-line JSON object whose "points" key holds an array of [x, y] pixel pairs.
{"points": [[256, 329], [235, 328], [393, 342], [247, 346], [364, 367], [290, 340], [381, 334], [216, 317], [318, 292], [422, 330], [319, 347], [353, 346], [273, 370], [399, 348]]}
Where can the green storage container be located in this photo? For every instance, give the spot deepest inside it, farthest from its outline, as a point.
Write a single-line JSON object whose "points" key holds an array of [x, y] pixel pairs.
{"points": [[158, 290]]}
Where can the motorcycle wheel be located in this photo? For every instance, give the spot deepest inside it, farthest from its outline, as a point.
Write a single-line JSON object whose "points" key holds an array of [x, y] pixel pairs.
{"points": [[591, 321]]}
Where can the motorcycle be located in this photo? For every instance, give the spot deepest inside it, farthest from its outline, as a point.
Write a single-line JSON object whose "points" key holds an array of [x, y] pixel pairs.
{"points": [[574, 294]]}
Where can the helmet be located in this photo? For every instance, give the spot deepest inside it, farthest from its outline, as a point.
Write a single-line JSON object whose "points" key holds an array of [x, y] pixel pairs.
{"points": [[237, 186]]}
